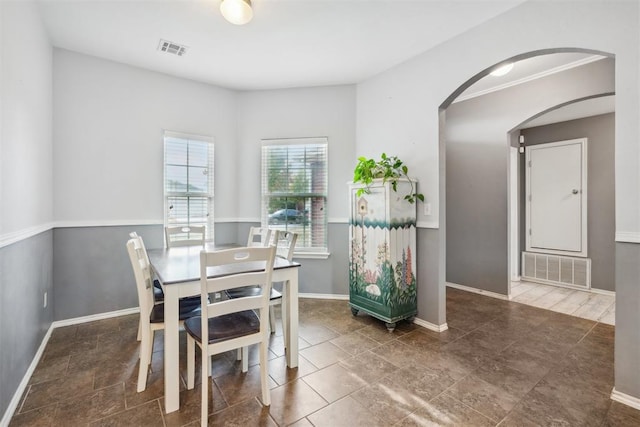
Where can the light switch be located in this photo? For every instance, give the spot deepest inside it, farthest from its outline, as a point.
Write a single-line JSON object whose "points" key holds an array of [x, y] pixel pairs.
{"points": [[427, 208]]}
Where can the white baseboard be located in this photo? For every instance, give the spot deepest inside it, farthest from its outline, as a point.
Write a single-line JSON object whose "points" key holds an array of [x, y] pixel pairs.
{"points": [[603, 292], [15, 400], [324, 296], [479, 291], [625, 399], [431, 326], [94, 317]]}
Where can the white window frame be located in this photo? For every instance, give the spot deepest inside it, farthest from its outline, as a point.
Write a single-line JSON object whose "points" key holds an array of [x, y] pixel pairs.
{"points": [[210, 177], [301, 251]]}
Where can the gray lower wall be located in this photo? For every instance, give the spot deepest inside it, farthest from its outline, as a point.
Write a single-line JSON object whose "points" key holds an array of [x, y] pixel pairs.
{"points": [[25, 274], [627, 343], [430, 288], [476, 216], [92, 273], [601, 227]]}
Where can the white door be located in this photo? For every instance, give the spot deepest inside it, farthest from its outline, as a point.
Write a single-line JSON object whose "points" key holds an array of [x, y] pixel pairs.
{"points": [[557, 197]]}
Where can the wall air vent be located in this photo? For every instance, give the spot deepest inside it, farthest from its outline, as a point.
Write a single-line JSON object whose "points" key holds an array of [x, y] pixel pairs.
{"points": [[172, 48], [571, 272]]}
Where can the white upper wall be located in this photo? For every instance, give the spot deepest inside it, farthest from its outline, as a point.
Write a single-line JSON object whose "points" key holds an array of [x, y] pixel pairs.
{"points": [[108, 124], [109, 120], [397, 111], [26, 189], [291, 113]]}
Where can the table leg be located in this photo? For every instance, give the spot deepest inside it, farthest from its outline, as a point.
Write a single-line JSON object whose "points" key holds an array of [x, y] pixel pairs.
{"points": [[291, 321], [171, 349]]}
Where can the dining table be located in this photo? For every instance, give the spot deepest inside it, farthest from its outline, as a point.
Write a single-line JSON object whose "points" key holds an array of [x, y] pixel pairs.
{"points": [[178, 271]]}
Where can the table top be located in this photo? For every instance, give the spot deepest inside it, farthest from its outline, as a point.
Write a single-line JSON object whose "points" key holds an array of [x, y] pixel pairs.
{"points": [[182, 264]]}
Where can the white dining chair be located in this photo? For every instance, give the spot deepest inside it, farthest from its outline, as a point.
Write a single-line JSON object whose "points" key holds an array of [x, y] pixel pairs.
{"points": [[151, 314], [192, 235], [233, 323], [260, 236]]}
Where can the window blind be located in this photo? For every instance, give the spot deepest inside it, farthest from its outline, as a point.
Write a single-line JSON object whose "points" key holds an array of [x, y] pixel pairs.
{"points": [[294, 189], [188, 181]]}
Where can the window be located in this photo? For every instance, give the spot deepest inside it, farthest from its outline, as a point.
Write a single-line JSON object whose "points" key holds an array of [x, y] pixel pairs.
{"points": [[188, 181], [294, 190]]}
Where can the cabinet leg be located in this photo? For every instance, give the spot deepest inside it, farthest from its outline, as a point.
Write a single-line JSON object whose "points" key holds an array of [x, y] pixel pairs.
{"points": [[390, 326], [354, 311]]}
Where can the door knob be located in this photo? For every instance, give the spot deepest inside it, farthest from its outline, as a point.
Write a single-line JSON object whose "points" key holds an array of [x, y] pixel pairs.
{"points": [[574, 191]]}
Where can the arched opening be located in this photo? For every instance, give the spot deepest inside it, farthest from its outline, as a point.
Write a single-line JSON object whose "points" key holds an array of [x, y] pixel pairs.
{"points": [[476, 188]]}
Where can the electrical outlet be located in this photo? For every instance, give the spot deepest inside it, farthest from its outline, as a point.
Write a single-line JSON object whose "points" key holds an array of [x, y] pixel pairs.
{"points": [[427, 208], [44, 302]]}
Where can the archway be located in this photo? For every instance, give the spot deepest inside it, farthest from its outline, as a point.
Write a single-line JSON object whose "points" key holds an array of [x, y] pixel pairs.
{"points": [[489, 262]]}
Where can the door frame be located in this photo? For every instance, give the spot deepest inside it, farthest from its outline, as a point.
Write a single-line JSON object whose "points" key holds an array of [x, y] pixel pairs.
{"points": [[584, 194]]}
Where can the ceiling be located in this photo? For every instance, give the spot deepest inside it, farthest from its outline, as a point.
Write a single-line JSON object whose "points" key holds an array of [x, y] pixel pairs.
{"points": [[289, 43]]}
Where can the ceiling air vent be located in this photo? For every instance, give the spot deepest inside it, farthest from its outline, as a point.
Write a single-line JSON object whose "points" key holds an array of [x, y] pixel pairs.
{"points": [[171, 47]]}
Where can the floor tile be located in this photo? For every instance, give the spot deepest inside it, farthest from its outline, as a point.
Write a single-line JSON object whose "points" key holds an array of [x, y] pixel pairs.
{"points": [[446, 411], [334, 382], [500, 363], [345, 413], [293, 401], [324, 354], [491, 401]]}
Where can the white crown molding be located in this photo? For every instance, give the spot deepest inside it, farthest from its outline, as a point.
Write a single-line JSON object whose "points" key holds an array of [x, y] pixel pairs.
{"points": [[431, 326], [16, 236], [628, 236], [532, 77], [15, 400], [625, 399], [479, 291]]}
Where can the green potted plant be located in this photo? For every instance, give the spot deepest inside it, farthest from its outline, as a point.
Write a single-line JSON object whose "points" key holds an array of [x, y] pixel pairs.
{"points": [[389, 169]]}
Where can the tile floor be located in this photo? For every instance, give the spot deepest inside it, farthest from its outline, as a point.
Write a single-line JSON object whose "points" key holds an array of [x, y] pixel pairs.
{"points": [[587, 305], [500, 363]]}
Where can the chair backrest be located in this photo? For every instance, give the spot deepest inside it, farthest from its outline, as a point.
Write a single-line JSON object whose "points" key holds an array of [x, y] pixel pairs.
{"points": [[286, 244], [142, 273], [260, 236], [192, 235], [237, 262]]}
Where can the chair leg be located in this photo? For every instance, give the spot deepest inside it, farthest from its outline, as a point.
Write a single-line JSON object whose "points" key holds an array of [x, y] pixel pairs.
{"points": [[272, 320], [145, 358], [191, 362], [139, 337], [283, 315], [245, 359], [264, 374], [204, 411]]}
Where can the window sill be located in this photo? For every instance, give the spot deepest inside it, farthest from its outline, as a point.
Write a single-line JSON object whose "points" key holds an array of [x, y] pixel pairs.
{"points": [[311, 255]]}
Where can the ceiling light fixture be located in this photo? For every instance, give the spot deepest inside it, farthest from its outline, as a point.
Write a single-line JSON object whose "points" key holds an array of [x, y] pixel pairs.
{"points": [[502, 70], [237, 12]]}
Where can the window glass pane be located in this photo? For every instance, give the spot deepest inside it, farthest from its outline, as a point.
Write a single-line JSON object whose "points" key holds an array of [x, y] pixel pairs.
{"points": [[198, 180], [294, 185], [175, 153], [198, 153], [176, 178], [188, 181]]}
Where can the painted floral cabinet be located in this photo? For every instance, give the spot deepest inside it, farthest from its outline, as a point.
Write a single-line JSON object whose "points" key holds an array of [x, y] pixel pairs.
{"points": [[382, 265]]}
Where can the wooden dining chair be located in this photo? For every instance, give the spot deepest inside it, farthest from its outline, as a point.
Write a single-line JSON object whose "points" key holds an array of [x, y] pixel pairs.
{"points": [[151, 314], [192, 235], [233, 323]]}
